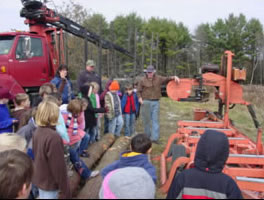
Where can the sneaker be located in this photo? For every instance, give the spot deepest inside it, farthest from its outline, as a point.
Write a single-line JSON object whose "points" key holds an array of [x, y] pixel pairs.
{"points": [[94, 174]]}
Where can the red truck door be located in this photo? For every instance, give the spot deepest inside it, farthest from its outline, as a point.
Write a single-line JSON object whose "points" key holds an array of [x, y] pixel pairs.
{"points": [[31, 72]]}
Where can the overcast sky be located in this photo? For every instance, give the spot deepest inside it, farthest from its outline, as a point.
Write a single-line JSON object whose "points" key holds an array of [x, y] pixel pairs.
{"points": [[190, 12]]}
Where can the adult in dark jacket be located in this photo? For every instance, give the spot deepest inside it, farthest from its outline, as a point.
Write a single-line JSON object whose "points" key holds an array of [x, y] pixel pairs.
{"points": [[206, 180], [89, 75], [90, 112], [63, 84]]}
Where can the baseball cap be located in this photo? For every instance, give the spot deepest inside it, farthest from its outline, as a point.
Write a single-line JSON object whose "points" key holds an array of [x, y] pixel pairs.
{"points": [[150, 69], [90, 63]]}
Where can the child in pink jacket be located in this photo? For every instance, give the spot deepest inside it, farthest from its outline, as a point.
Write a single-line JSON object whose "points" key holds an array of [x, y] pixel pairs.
{"points": [[79, 140]]}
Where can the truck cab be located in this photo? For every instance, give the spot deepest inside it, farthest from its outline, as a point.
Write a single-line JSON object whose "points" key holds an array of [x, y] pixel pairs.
{"points": [[30, 70]]}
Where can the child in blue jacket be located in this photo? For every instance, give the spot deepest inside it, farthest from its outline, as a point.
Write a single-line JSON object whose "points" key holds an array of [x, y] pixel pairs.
{"points": [[141, 147], [130, 108], [6, 122]]}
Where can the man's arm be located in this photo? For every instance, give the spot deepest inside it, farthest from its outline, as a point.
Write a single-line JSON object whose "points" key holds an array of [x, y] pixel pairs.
{"points": [[168, 79]]}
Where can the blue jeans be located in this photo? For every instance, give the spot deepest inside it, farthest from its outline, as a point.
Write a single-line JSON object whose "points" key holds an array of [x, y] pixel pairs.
{"points": [[84, 143], [106, 125], [79, 165], [130, 120], [34, 193], [48, 194], [151, 117], [92, 133], [116, 125]]}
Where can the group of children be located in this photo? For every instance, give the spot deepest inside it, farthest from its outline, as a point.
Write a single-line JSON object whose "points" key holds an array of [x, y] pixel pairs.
{"points": [[55, 136]]}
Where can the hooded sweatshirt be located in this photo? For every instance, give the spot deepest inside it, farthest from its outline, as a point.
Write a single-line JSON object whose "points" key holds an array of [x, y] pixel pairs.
{"points": [[206, 180], [6, 122], [131, 159]]}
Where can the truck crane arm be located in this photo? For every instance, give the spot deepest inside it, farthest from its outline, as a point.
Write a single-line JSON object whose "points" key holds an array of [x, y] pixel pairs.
{"points": [[37, 13]]}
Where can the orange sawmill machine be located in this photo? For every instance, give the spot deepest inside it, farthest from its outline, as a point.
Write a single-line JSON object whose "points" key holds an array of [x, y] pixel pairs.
{"points": [[246, 160]]}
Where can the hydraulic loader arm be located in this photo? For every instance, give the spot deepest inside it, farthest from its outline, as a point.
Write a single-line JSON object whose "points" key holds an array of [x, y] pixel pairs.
{"points": [[36, 12]]}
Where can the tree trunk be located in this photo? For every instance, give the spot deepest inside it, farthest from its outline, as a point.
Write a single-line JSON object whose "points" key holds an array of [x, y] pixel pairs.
{"points": [[74, 181], [96, 151], [92, 187], [151, 49], [157, 54], [143, 51], [135, 55], [99, 58], [255, 66]]}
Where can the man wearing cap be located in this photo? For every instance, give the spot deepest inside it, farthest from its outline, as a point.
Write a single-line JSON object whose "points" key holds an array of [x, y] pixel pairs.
{"points": [[89, 75], [6, 122], [149, 94]]}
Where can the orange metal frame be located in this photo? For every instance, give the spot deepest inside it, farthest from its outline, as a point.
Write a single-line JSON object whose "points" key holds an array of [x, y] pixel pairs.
{"points": [[244, 153]]}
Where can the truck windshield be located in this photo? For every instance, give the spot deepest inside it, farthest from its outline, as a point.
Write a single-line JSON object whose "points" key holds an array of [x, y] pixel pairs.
{"points": [[6, 43]]}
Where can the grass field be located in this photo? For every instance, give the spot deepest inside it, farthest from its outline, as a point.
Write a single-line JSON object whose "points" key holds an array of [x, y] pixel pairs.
{"points": [[172, 112]]}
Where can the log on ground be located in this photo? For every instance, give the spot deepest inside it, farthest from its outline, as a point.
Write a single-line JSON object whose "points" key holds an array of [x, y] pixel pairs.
{"points": [[96, 152], [92, 187]]}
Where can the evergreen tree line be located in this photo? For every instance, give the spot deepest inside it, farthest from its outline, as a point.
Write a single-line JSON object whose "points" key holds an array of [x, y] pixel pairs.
{"points": [[166, 44]]}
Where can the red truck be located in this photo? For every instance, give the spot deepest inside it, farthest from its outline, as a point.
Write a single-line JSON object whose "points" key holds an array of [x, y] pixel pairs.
{"points": [[19, 70], [29, 59]]}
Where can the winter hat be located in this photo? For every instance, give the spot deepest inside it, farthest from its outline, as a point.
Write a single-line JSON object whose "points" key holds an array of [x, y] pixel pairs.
{"points": [[5, 94], [128, 183], [114, 86]]}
